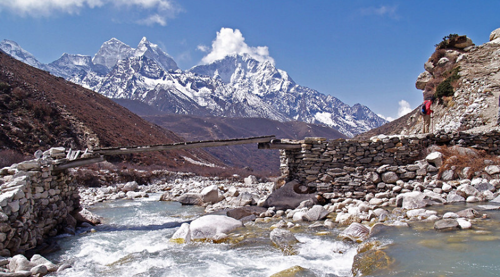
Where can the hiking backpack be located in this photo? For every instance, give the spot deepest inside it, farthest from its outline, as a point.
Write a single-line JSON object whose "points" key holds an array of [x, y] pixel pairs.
{"points": [[423, 110]]}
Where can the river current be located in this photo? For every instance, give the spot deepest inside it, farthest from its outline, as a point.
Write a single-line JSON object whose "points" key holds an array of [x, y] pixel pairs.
{"points": [[134, 241]]}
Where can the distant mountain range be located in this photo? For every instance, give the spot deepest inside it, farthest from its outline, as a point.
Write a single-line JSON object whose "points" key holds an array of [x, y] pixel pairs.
{"points": [[39, 111], [236, 86]]}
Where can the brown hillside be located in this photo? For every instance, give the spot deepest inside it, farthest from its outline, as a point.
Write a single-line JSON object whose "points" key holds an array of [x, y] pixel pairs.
{"points": [[262, 161], [39, 111]]}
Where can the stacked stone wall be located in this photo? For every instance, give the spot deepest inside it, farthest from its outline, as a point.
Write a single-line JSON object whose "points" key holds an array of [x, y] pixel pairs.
{"points": [[35, 202], [352, 168]]}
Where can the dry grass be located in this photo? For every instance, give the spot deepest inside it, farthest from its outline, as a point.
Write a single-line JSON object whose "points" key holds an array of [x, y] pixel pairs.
{"points": [[458, 158]]}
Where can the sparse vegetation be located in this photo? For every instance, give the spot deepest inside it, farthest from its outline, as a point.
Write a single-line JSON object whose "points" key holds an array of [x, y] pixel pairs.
{"points": [[445, 88], [459, 158], [445, 43]]}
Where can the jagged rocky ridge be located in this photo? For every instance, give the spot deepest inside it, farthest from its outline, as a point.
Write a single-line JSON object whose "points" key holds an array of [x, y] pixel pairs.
{"points": [[236, 86]]}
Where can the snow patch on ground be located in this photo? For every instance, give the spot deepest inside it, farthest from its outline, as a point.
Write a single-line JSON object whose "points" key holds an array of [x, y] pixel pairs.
{"points": [[187, 159]]}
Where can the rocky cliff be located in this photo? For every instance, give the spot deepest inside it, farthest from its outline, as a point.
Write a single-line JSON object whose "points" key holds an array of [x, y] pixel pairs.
{"points": [[465, 79]]}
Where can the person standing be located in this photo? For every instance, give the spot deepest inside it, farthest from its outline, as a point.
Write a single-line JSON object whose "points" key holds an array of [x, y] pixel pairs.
{"points": [[426, 113]]}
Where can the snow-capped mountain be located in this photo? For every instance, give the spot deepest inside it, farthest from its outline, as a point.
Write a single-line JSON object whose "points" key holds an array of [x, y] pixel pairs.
{"points": [[13, 49], [236, 86]]}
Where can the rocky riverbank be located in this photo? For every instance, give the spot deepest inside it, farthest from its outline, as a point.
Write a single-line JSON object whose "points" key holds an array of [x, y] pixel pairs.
{"points": [[291, 207]]}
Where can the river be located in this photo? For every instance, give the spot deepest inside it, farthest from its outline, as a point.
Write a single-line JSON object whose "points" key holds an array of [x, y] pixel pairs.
{"points": [[134, 241]]}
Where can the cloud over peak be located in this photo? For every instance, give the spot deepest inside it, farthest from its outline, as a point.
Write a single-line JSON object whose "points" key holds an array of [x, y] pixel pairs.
{"points": [[231, 42]]}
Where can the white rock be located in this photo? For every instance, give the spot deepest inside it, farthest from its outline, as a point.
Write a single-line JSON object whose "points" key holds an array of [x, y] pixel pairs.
{"points": [[130, 186], [464, 224], [495, 34], [446, 187], [251, 180], [208, 226], [492, 169], [183, 234], [210, 194], [450, 215], [435, 158]]}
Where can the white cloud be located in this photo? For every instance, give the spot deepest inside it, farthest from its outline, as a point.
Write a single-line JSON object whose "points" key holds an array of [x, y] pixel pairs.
{"points": [[390, 11], [203, 48], [158, 10], [386, 118], [404, 108], [153, 19], [46, 7], [230, 42]]}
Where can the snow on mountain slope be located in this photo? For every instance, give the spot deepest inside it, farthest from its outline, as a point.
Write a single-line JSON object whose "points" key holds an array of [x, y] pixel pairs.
{"points": [[111, 52], [235, 86], [13, 49]]}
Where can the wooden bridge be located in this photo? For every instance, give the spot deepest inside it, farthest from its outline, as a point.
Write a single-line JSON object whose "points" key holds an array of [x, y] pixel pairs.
{"points": [[79, 158]]}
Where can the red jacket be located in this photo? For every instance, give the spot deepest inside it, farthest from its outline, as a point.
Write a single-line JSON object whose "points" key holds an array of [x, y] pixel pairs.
{"points": [[428, 104]]}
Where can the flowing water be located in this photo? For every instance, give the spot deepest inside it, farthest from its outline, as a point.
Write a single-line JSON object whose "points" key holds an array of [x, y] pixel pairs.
{"points": [[134, 241]]}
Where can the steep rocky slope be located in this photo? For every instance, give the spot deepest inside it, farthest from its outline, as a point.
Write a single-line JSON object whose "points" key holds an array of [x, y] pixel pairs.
{"points": [[39, 111], [465, 79]]}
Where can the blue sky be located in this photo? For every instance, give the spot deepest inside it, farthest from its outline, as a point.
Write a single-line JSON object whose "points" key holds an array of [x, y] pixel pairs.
{"points": [[360, 51]]}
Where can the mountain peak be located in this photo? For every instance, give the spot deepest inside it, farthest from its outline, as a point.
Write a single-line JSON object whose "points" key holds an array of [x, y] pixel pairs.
{"points": [[154, 52], [13, 49], [111, 52], [144, 40]]}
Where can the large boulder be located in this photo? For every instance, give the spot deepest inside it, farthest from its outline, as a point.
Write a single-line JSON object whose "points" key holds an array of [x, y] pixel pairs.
{"points": [[369, 262], [468, 213], [287, 198], [244, 199], [448, 224], [210, 194], [38, 260], [495, 34], [213, 227], [182, 235], [411, 200], [85, 215], [423, 79], [453, 197], [284, 240], [466, 190], [317, 212], [19, 263], [190, 199], [242, 212], [130, 186], [355, 232], [435, 158]]}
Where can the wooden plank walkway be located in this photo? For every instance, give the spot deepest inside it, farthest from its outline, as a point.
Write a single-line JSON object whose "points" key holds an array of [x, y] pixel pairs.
{"points": [[97, 154], [181, 145]]}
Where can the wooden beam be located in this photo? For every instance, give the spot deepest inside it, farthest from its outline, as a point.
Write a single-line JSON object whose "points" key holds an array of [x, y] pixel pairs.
{"points": [[78, 162], [278, 145], [181, 145]]}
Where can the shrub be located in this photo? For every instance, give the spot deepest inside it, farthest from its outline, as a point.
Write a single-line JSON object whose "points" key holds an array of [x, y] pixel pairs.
{"points": [[445, 88], [4, 87], [446, 41]]}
